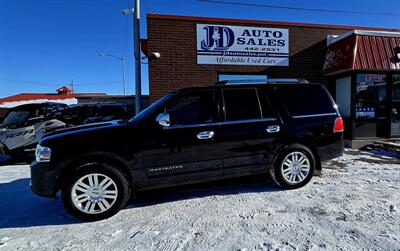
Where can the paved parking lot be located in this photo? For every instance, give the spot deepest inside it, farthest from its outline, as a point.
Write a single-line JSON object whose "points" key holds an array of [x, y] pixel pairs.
{"points": [[354, 205]]}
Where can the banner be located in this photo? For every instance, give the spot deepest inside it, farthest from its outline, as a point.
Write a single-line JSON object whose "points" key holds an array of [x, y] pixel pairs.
{"points": [[239, 45]]}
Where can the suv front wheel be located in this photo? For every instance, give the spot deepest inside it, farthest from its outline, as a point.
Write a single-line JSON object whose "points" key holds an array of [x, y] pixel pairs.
{"points": [[294, 167], [95, 191]]}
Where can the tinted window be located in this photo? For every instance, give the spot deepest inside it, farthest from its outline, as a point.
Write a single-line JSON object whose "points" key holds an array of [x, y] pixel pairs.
{"points": [[16, 118], [241, 104], [266, 109], [153, 107], [305, 100], [194, 107]]}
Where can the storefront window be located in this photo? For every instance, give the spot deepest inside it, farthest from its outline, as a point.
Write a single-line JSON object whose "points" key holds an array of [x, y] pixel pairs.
{"points": [[395, 114], [370, 105]]}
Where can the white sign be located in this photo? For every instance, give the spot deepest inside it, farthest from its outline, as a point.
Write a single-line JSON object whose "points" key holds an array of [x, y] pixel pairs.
{"points": [[239, 45]]}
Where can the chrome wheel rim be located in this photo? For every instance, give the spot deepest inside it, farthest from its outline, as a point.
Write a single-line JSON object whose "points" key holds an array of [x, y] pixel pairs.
{"points": [[295, 167], [94, 193]]}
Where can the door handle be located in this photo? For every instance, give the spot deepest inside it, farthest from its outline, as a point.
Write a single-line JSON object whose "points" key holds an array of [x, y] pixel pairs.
{"points": [[273, 128], [205, 135]]}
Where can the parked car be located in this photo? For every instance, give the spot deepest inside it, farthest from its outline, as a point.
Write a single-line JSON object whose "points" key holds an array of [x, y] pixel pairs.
{"points": [[24, 125], [91, 113], [191, 135]]}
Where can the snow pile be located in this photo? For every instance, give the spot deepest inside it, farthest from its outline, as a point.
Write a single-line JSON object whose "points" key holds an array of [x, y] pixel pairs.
{"points": [[67, 101], [354, 205]]}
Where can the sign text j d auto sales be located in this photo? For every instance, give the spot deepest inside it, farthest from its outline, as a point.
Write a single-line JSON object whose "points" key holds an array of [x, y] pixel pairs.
{"points": [[239, 45]]}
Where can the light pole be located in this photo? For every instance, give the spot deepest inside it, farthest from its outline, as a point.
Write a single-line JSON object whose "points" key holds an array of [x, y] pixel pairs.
{"points": [[122, 63], [136, 42]]}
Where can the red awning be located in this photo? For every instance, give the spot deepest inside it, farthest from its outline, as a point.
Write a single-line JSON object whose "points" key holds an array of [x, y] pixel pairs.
{"points": [[363, 50]]}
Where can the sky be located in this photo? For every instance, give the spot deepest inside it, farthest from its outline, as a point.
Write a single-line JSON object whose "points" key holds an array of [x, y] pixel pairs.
{"points": [[45, 44]]}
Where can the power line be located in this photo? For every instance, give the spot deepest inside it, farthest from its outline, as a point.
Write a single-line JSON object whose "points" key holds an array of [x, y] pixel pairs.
{"points": [[301, 9], [58, 84]]}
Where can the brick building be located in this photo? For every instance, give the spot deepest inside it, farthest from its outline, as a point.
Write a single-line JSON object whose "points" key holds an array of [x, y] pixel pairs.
{"points": [[348, 60]]}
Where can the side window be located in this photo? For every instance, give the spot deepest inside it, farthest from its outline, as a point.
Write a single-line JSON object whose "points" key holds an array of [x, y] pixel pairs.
{"points": [[194, 107], [241, 104], [306, 100]]}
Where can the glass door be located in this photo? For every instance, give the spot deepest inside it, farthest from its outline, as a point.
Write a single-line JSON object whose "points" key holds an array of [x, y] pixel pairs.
{"points": [[370, 106], [395, 113]]}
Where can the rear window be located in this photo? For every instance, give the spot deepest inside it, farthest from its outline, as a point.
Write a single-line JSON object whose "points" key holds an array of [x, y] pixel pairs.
{"points": [[16, 118], [306, 100]]}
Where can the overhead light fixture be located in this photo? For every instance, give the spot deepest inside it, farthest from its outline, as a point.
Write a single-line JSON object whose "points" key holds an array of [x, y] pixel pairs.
{"points": [[158, 55], [127, 11]]}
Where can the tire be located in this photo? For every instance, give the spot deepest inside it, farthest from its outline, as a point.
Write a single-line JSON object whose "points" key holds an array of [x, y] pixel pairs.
{"points": [[82, 193], [295, 176]]}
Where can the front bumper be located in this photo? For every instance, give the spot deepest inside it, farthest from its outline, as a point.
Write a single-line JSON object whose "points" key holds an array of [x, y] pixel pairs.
{"points": [[43, 179]]}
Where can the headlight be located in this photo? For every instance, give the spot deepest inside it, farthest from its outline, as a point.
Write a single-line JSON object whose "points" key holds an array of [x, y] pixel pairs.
{"points": [[42, 153]]}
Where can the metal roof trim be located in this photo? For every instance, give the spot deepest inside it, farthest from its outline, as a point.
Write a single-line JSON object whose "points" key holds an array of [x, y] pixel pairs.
{"points": [[331, 39]]}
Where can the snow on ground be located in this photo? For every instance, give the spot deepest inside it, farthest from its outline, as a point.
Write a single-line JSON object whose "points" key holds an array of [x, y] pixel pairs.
{"points": [[354, 205]]}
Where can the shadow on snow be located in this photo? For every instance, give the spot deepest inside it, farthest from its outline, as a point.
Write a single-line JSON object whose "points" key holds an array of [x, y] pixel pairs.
{"points": [[20, 207]]}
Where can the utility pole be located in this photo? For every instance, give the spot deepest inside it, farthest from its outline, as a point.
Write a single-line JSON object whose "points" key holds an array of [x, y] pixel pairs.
{"points": [[72, 85], [136, 53], [136, 41]]}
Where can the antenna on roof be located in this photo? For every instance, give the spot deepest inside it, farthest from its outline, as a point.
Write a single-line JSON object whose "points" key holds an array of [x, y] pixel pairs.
{"points": [[72, 85]]}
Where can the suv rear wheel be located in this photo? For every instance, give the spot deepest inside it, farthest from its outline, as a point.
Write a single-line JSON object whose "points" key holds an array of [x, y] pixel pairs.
{"points": [[95, 191], [294, 167]]}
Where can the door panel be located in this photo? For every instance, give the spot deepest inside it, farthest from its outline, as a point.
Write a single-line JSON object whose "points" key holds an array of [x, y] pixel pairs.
{"points": [[181, 152], [371, 112], [245, 145], [244, 136], [395, 113], [187, 149]]}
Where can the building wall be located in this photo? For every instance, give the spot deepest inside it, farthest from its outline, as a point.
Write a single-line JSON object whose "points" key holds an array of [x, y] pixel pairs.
{"points": [[175, 39]]}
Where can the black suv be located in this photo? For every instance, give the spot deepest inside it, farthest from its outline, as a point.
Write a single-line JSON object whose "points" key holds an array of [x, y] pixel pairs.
{"points": [[191, 135]]}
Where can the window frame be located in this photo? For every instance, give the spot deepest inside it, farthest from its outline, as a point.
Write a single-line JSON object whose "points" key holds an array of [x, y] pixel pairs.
{"points": [[261, 111], [263, 95], [215, 102]]}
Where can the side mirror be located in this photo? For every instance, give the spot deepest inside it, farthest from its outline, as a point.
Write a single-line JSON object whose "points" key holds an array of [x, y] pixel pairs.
{"points": [[163, 119]]}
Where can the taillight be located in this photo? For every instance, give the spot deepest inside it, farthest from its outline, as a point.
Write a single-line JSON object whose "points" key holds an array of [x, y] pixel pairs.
{"points": [[338, 126]]}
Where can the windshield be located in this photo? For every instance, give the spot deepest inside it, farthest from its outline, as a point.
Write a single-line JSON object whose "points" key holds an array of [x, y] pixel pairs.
{"points": [[15, 118], [150, 109]]}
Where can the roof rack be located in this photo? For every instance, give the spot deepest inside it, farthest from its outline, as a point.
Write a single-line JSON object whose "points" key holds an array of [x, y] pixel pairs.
{"points": [[269, 81]]}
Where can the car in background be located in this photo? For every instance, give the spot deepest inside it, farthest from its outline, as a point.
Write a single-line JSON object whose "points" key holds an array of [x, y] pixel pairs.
{"points": [[91, 113], [24, 125]]}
